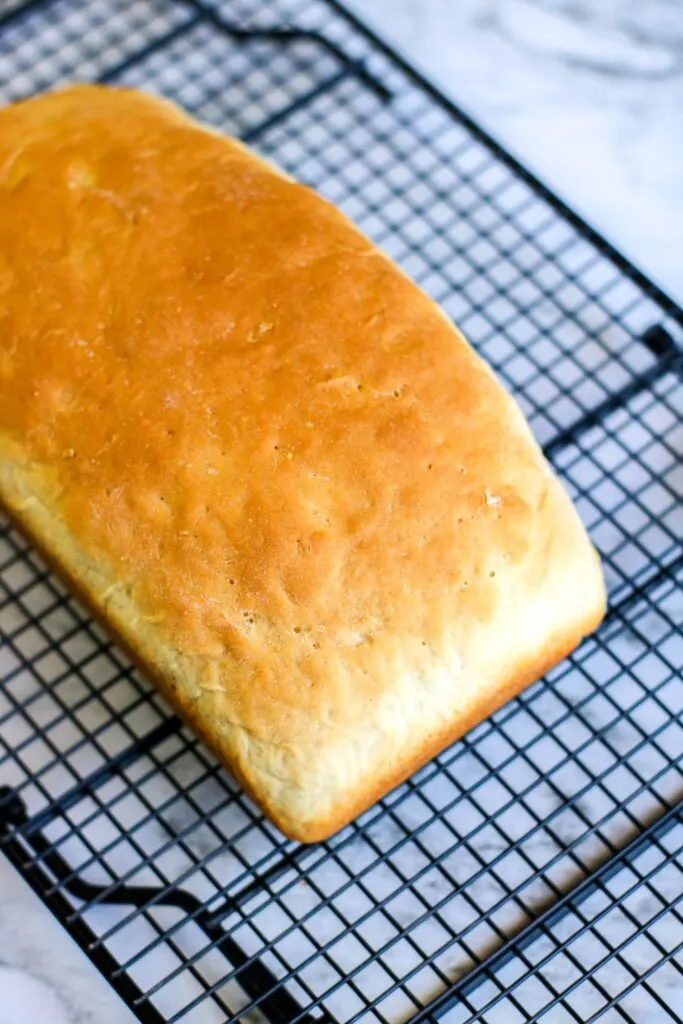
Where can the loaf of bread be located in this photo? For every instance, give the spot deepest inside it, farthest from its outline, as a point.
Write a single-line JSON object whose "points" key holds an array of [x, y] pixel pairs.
{"points": [[265, 459]]}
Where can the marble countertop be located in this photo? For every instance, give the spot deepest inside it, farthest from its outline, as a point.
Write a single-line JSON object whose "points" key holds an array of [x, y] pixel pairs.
{"points": [[590, 94], [44, 977]]}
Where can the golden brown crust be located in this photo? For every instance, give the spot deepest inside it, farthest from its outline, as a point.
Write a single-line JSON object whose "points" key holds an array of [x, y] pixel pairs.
{"points": [[265, 459]]}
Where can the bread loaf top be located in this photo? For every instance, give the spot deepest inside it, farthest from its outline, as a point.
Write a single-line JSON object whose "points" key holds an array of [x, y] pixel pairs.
{"points": [[265, 458]]}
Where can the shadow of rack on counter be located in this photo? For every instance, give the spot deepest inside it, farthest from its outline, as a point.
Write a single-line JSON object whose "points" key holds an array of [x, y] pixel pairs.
{"points": [[533, 871]]}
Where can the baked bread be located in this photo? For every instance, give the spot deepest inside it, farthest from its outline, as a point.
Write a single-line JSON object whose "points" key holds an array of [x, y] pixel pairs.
{"points": [[265, 459]]}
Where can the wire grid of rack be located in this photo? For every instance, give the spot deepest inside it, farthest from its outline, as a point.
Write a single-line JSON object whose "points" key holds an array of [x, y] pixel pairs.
{"points": [[534, 871]]}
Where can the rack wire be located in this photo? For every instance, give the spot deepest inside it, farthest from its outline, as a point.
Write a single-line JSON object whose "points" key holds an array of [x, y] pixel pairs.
{"points": [[534, 871]]}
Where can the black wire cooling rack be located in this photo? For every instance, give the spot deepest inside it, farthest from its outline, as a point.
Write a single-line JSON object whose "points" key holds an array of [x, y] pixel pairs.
{"points": [[532, 872]]}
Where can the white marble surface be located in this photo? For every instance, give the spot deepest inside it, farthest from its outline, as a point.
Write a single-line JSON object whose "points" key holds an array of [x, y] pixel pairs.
{"points": [[590, 93], [44, 977]]}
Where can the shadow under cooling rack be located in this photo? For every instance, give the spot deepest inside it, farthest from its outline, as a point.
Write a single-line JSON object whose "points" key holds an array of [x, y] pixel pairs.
{"points": [[533, 871]]}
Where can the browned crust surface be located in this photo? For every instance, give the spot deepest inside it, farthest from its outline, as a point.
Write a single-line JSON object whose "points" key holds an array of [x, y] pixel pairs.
{"points": [[265, 459]]}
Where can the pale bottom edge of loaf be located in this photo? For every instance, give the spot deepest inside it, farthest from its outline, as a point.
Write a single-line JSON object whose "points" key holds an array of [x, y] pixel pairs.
{"points": [[33, 518], [489, 702]]}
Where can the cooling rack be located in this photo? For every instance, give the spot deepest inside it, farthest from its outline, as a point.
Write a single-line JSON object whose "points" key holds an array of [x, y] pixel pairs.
{"points": [[533, 871]]}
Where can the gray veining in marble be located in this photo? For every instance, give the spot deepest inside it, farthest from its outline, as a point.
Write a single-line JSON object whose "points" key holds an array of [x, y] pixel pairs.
{"points": [[588, 92], [44, 977]]}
